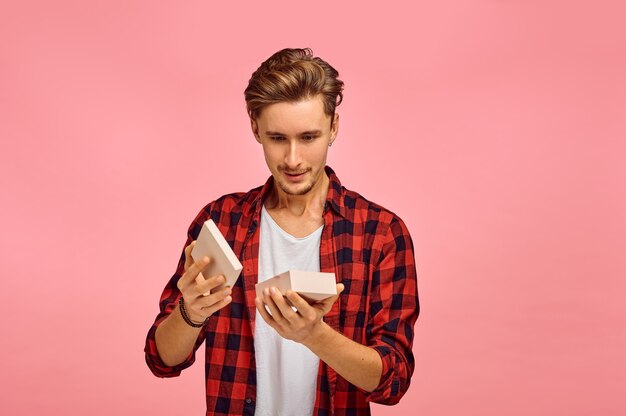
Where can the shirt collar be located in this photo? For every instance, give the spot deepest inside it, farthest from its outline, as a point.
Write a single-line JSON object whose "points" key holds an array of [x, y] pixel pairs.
{"points": [[334, 199]]}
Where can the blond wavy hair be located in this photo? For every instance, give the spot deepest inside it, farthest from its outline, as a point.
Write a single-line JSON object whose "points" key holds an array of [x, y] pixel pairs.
{"points": [[291, 75]]}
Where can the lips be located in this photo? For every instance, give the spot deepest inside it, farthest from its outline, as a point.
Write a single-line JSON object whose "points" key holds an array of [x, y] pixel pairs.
{"points": [[294, 176]]}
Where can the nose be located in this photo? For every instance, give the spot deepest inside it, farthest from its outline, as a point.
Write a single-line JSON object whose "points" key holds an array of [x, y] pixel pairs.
{"points": [[293, 157]]}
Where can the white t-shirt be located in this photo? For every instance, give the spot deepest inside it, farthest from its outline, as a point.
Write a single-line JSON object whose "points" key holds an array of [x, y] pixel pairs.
{"points": [[286, 371]]}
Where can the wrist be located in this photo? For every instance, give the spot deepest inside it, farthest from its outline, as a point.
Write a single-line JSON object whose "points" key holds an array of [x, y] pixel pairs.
{"points": [[190, 319], [318, 336]]}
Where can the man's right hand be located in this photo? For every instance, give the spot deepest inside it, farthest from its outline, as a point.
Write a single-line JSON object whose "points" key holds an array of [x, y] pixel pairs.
{"points": [[201, 301]]}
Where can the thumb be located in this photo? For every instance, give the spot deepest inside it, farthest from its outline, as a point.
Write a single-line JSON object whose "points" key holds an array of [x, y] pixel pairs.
{"points": [[340, 288]]}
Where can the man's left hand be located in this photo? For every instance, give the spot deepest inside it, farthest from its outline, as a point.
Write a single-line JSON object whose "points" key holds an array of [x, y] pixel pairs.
{"points": [[299, 325]]}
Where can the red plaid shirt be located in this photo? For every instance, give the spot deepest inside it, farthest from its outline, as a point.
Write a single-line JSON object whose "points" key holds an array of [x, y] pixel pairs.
{"points": [[370, 251]]}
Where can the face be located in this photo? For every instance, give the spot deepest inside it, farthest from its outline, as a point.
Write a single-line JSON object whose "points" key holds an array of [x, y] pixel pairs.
{"points": [[295, 137]]}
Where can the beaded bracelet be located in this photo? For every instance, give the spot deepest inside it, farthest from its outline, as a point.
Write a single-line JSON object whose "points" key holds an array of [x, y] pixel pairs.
{"points": [[183, 312]]}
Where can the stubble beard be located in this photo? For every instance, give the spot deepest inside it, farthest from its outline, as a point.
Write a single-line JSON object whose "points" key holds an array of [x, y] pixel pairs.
{"points": [[307, 188], [302, 191]]}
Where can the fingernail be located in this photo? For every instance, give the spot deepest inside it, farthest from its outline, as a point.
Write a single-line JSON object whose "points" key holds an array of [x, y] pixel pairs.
{"points": [[273, 290]]}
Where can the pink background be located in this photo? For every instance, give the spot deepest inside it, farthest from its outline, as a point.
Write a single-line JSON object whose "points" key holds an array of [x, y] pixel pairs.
{"points": [[495, 129]]}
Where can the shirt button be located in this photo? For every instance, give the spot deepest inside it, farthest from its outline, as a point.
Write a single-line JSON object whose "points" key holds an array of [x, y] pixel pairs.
{"points": [[248, 400]]}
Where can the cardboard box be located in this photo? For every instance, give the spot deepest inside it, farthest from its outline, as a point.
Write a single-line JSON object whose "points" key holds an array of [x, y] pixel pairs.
{"points": [[211, 243], [313, 286]]}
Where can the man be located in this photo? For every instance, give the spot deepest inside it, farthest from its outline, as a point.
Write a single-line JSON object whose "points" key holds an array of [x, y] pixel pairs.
{"points": [[279, 354]]}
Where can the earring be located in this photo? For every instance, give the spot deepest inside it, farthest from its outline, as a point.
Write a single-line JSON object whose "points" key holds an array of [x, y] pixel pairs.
{"points": [[330, 144]]}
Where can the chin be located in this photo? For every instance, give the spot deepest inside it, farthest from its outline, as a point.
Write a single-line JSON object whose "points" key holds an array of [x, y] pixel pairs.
{"points": [[301, 189]]}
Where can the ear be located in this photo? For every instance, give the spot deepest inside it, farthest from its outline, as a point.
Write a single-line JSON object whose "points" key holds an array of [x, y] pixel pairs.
{"points": [[334, 128], [255, 129]]}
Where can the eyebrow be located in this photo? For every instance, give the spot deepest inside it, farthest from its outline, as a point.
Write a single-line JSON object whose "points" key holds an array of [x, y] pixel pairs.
{"points": [[308, 132]]}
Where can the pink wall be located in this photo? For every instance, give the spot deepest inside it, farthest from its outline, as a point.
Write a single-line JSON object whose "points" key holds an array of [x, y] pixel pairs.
{"points": [[495, 129]]}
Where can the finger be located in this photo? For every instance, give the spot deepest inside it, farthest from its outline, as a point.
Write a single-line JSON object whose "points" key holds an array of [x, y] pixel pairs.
{"points": [[329, 301], [340, 288], [276, 314], [217, 306], [279, 300], [192, 273], [206, 306], [188, 258], [205, 286], [303, 307], [215, 301], [260, 306]]}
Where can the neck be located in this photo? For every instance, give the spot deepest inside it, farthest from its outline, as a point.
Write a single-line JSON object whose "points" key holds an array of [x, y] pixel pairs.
{"points": [[311, 202]]}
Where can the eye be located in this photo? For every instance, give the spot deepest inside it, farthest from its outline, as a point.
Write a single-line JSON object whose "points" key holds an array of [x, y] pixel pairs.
{"points": [[308, 138], [277, 138]]}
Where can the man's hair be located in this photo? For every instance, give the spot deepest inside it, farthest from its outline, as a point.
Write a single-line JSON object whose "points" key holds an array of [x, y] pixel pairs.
{"points": [[291, 75]]}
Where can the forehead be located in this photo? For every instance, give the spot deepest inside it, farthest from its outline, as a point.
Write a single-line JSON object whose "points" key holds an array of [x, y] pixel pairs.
{"points": [[293, 117]]}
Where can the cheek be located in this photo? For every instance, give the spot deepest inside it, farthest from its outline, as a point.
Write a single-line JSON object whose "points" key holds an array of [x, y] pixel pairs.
{"points": [[318, 154], [271, 153], [274, 157]]}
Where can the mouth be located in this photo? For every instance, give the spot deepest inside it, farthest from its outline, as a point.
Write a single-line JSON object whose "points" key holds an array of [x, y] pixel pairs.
{"points": [[294, 176]]}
